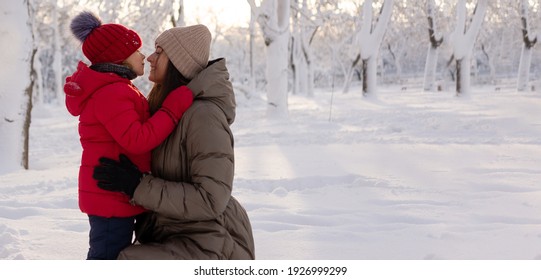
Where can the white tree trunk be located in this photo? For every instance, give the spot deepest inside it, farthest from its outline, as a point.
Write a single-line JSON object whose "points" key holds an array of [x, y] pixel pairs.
{"points": [[435, 42], [253, 18], [297, 65], [300, 66], [307, 71], [277, 53], [526, 55], [57, 63], [462, 41], [348, 75], [370, 38], [15, 92], [301, 53], [296, 52], [430, 69], [273, 18], [524, 68]]}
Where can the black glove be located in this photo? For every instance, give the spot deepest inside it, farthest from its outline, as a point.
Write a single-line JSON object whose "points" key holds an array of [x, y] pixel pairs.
{"points": [[118, 176]]}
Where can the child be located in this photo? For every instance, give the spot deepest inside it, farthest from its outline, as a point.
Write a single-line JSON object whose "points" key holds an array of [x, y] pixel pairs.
{"points": [[114, 119]]}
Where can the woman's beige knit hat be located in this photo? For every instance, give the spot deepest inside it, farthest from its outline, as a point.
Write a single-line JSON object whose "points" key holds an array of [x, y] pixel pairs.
{"points": [[187, 47]]}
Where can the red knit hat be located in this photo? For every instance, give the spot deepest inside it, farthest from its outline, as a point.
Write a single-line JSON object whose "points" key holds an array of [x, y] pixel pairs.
{"points": [[102, 43]]}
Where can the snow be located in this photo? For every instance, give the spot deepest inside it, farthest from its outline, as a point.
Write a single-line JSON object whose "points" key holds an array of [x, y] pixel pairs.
{"points": [[405, 174]]}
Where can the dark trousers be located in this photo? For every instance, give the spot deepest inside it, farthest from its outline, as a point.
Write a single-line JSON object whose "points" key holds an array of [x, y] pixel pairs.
{"points": [[108, 236]]}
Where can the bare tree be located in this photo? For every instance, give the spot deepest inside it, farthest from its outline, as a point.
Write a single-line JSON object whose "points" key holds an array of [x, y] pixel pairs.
{"points": [[369, 37], [47, 33], [462, 40], [306, 22], [436, 39], [273, 18], [251, 30], [528, 44], [17, 84]]}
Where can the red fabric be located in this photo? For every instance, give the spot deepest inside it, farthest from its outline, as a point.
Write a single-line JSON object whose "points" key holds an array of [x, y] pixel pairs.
{"points": [[113, 119], [112, 43]]}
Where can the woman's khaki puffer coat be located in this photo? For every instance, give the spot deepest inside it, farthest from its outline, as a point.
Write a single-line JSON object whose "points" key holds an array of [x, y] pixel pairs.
{"points": [[192, 212]]}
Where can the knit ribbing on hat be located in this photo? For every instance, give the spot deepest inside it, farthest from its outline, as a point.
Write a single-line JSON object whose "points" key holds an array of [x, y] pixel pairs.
{"points": [[111, 43], [188, 48], [104, 43]]}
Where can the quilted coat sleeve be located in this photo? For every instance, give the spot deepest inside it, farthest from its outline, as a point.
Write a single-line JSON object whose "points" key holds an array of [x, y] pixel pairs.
{"points": [[118, 113], [209, 147]]}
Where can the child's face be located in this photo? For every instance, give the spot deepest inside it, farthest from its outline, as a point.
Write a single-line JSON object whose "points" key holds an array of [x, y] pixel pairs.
{"points": [[158, 65], [136, 62]]}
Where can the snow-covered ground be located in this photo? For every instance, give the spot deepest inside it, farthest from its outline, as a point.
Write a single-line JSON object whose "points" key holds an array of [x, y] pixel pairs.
{"points": [[407, 175]]}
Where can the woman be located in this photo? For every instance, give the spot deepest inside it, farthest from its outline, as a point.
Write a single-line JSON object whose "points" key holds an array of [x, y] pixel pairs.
{"points": [[192, 213]]}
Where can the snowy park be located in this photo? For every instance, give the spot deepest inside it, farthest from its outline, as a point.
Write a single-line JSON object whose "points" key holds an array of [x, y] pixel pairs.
{"points": [[358, 134], [406, 175]]}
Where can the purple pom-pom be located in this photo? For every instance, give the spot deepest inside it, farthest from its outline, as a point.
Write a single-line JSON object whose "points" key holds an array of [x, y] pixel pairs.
{"points": [[83, 24]]}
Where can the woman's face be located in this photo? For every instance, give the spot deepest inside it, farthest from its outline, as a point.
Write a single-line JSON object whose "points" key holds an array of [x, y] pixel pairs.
{"points": [[158, 65], [136, 62]]}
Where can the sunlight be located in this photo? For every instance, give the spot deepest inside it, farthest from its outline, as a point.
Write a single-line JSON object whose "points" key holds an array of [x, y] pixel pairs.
{"points": [[226, 13], [534, 5], [349, 6]]}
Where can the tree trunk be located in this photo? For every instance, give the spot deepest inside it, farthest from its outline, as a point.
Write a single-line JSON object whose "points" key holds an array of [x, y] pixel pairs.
{"points": [[252, 42], [370, 70], [463, 74], [17, 85], [57, 64], [301, 68], [526, 55], [371, 35], [463, 40], [524, 68], [349, 75], [430, 69], [29, 94], [277, 77], [273, 18], [301, 55], [433, 49]]}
